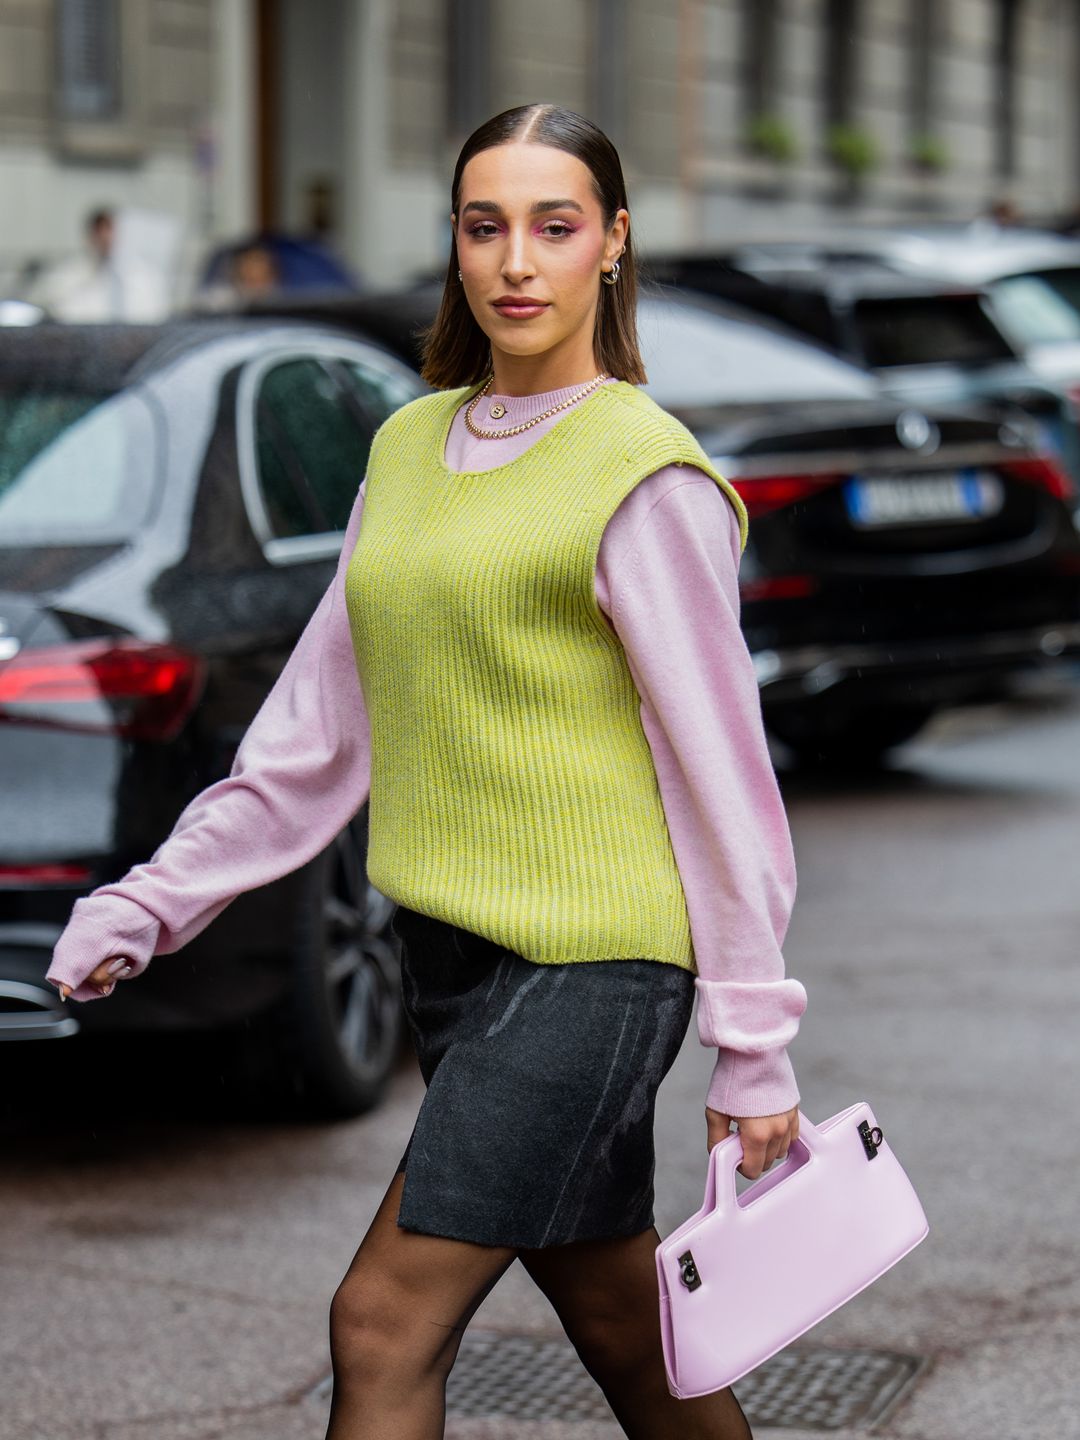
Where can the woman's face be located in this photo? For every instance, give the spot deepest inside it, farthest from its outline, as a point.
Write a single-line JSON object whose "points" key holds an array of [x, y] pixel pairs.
{"points": [[530, 229]]}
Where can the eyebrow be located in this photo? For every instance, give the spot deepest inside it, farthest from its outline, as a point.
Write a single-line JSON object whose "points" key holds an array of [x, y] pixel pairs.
{"points": [[492, 207]]}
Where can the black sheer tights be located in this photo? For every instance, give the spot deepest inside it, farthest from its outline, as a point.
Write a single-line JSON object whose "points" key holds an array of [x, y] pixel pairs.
{"points": [[399, 1314]]}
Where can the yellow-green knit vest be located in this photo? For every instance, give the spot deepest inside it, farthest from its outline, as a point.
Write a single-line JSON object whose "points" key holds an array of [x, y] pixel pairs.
{"points": [[513, 792]]}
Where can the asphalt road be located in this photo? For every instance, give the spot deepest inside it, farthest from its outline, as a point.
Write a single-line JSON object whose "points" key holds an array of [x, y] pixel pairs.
{"points": [[167, 1263]]}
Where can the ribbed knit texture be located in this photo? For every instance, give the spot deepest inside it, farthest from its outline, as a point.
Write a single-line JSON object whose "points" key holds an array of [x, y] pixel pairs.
{"points": [[513, 792]]}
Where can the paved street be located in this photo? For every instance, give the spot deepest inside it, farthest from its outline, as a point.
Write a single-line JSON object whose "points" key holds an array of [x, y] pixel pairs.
{"points": [[167, 1270]]}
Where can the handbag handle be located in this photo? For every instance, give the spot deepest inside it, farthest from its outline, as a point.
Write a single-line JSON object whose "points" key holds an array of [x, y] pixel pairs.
{"points": [[726, 1155]]}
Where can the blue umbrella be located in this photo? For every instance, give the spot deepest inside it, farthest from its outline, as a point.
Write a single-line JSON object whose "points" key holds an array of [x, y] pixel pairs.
{"points": [[301, 264]]}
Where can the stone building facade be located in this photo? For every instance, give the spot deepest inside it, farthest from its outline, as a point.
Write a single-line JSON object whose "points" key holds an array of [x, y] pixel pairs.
{"points": [[732, 116]]}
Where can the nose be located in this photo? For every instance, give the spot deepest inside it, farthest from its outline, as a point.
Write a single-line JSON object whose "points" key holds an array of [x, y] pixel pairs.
{"points": [[517, 259]]}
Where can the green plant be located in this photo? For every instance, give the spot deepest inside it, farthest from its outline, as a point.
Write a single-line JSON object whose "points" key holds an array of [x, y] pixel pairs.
{"points": [[772, 136], [929, 152], [852, 148]]}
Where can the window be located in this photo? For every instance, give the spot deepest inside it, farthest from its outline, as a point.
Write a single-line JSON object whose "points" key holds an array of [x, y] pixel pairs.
{"points": [[75, 469], [935, 330], [312, 437], [88, 59], [759, 47], [378, 392], [1008, 17], [99, 47], [468, 50], [609, 66], [697, 357], [926, 27], [1039, 309], [839, 71]]}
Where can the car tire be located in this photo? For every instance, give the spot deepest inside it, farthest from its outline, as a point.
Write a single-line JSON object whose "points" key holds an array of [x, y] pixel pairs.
{"points": [[330, 1045], [855, 739]]}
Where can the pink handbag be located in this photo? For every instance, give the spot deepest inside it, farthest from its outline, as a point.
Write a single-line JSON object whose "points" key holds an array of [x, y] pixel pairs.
{"points": [[748, 1273]]}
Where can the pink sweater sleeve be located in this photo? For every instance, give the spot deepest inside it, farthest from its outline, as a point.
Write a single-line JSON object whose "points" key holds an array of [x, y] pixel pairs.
{"points": [[301, 773], [667, 579]]}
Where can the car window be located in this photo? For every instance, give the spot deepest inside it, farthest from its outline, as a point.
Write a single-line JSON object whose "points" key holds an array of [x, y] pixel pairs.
{"points": [[1039, 309], [311, 444], [379, 391], [75, 469], [694, 356], [928, 330]]}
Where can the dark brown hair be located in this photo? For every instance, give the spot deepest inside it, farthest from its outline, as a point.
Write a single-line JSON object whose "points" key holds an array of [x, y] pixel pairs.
{"points": [[455, 349]]}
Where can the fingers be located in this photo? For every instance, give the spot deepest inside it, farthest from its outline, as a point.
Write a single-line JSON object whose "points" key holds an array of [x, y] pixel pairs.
{"points": [[765, 1138], [719, 1127], [105, 976]]}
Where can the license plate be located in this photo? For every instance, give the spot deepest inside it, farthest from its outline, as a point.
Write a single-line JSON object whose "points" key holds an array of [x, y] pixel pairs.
{"points": [[921, 499]]}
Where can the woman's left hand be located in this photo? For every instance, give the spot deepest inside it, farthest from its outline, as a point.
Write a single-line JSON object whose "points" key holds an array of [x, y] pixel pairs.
{"points": [[765, 1138]]}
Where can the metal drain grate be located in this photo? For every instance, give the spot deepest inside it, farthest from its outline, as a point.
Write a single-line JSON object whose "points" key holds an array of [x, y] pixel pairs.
{"points": [[524, 1376], [527, 1377], [819, 1388]]}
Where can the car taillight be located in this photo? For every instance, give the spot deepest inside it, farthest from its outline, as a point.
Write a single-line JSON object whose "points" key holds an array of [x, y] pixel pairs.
{"points": [[133, 688], [778, 587], [760, 494], [46, 874], [1044, 472]]}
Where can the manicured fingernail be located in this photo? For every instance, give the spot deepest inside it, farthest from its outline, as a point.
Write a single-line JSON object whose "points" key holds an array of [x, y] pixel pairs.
{"points": [[121, 963]]}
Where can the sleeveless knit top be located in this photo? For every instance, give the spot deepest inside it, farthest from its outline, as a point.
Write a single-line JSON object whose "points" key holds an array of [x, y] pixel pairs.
{"points": [[513, 791]]}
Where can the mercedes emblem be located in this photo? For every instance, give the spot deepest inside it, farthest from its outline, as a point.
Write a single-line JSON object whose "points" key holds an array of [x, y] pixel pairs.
{"points": [[916, 432]]}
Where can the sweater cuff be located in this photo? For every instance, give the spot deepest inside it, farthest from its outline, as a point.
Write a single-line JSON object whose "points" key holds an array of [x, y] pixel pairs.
{"points": [[750, 1016], [744, 1085], [101, 926]]}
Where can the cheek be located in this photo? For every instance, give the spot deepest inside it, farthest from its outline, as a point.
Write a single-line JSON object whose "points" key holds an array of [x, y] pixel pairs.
{"points": [[575, 273], [583, 259]]}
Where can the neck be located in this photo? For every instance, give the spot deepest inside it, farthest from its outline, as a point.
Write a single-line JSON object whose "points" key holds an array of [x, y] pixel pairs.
{"points": [[535, 374]]}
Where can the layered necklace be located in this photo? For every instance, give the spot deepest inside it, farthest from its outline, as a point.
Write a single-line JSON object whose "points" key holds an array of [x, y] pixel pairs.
{"points": [[498, 410]]}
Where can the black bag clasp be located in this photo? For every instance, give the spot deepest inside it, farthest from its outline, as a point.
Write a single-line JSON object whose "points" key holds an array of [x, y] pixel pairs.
{"points": [[688, 1271], [871, 1139]]}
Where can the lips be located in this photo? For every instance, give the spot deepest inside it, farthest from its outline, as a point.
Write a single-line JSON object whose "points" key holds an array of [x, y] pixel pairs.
{"points": [[519, 307]]}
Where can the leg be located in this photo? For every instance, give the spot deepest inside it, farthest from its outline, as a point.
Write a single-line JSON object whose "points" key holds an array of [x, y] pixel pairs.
{"points": [[396, 1322], [606, 1294]]}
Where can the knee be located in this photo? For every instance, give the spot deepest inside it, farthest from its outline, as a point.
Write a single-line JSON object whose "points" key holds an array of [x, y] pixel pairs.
{"points": [[374, 1337]]}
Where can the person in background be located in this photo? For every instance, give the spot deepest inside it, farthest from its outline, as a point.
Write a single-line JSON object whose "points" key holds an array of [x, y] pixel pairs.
{"points": [[253, 270], [98, 285]]}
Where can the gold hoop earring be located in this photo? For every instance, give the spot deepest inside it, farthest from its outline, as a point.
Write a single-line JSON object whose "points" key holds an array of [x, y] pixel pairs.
{"points": [[612, 276]]}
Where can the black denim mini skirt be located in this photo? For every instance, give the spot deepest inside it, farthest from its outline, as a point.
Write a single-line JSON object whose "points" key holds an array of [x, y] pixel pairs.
{"points": [[536, 1127]]}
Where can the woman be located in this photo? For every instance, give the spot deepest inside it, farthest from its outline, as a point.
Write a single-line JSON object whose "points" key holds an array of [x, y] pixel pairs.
{"points": [[530, 661]]}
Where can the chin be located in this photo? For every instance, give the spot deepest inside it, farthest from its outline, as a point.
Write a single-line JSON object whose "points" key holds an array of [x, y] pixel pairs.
{"points": [[524, 344]]}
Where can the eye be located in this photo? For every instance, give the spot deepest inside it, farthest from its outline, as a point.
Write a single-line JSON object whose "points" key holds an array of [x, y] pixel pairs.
{"points": [[562, 228], [483, 227]]}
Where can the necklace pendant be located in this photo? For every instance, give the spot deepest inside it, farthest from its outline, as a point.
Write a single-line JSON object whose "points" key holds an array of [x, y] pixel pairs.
{"points": [[497, 411]]}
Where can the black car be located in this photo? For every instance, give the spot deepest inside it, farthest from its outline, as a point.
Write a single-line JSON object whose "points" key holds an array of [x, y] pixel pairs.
{"points": [[928, 341], [172, 507], [899, 559]]}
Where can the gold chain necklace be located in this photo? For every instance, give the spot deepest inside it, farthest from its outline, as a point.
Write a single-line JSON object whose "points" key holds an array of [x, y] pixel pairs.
{"points": [[475, 429]]}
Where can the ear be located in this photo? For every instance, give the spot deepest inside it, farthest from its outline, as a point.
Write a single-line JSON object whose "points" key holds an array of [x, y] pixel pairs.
{"points": [[616, 237]]}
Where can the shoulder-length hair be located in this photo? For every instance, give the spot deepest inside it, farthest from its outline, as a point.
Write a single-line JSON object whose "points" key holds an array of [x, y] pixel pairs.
{"points": [[455, 350]]}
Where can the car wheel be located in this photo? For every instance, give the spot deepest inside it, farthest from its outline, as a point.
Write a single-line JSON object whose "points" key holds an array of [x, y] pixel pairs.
{"points": [[846, 739], [334, 1040]]}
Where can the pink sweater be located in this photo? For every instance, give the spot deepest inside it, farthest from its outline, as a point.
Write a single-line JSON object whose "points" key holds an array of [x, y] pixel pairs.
{"points": [[666, 579]]}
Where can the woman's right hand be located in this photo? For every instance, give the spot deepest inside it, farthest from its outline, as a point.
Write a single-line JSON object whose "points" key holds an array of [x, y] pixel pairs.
{"points": [[116, 967]]}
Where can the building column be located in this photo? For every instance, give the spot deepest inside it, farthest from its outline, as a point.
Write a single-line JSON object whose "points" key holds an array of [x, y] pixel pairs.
{"points": [[365, 52], [233, 138]]}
